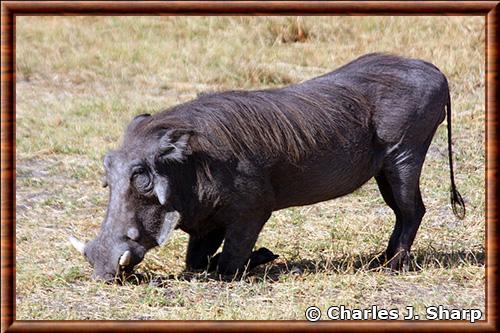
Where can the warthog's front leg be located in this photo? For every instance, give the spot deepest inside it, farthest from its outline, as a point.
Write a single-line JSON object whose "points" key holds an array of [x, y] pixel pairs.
{"points": [[239, 241], [260, 257], [201, 249]]}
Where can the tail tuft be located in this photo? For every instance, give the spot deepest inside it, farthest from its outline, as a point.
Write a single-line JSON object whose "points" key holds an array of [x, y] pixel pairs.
{"points": [[457, 204]]}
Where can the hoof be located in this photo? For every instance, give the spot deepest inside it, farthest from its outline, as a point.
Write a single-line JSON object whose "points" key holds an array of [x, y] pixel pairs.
{"points": [[260, 257]]}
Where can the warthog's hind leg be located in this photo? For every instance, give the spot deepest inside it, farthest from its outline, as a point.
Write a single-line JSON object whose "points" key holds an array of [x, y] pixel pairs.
{"points": [[399, 185]]}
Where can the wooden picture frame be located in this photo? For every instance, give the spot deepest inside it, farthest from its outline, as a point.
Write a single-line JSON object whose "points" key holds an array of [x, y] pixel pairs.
{"points": [[11, 9]]}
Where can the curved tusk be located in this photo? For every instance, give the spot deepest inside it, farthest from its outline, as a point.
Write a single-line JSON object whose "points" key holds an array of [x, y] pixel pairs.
{"points": [[79, 245], [125, 258]]}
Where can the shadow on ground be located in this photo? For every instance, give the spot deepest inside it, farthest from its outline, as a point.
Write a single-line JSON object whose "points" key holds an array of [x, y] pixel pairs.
{"points": [[370, 262], [366, 262]]}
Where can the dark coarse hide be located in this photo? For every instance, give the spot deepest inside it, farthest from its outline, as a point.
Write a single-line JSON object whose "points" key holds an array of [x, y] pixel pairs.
{"points": [[218, 166]]}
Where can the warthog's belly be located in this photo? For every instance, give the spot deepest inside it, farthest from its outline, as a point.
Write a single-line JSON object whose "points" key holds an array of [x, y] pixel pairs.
{"points": [[324, 177]]}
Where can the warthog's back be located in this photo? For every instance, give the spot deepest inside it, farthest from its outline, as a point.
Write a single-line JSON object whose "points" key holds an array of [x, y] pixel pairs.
{"points": [[276, 125], [400, 91]]}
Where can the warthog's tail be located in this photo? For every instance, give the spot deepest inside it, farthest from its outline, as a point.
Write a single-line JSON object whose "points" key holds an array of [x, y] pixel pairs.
{"points": [[457, 203]]}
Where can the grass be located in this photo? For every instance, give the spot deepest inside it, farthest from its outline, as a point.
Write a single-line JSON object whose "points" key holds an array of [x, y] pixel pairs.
{"points": [[81, 79]]}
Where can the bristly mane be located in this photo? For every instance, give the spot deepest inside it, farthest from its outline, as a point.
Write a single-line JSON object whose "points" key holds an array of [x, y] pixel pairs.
{"points": [[290, 122]]}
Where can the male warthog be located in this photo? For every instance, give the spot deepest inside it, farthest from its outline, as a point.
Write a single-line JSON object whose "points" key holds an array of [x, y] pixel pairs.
{"points": [[218, 166]]}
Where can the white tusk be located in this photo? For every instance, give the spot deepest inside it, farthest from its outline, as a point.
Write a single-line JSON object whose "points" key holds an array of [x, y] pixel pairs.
{"points": [[125, 258], [79, 245]]}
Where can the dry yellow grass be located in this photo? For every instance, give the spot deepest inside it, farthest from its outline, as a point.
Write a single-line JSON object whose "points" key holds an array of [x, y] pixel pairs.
{"points": [[81, 79]]}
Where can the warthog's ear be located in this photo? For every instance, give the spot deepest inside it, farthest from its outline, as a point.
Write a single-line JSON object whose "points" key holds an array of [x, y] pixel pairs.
{"points": [[136, 121], [174, 144]]}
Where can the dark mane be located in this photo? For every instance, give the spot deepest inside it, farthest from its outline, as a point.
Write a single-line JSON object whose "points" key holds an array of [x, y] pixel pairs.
{"points": [[290, 122]]}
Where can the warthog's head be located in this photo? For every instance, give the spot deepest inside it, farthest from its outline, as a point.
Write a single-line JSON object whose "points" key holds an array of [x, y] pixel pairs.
{"points": [[140, 214]]}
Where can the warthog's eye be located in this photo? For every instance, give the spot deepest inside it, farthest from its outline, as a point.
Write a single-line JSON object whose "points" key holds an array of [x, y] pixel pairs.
{"points": [[142, 180]]}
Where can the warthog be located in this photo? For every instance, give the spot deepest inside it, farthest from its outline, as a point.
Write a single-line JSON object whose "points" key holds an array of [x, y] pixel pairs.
{"points": [[218, 166]]}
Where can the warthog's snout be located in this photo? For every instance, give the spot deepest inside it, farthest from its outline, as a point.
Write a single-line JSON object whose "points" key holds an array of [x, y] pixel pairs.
{"points": [[125, 259]]}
